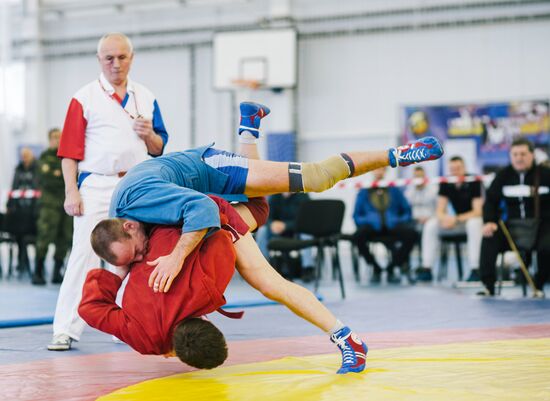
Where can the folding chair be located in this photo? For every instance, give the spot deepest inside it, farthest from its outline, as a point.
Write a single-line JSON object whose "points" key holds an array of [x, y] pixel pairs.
{"points": [[322, 219]]}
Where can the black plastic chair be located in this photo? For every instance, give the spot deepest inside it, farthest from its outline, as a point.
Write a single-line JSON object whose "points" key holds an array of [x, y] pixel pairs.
{"points": [[451, 238], [9, 239], [322, 219], [354, 254]]}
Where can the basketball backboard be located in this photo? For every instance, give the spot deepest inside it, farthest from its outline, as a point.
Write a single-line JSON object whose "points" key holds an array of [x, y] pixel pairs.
{"points": [[267, 57]]}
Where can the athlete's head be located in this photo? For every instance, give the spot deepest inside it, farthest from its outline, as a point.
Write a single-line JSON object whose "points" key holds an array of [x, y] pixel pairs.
{"points": [[198, 343], [120, 242]]}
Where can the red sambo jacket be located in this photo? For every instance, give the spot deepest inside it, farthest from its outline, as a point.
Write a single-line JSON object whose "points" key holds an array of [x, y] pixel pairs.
{"points": [[147, 319]]}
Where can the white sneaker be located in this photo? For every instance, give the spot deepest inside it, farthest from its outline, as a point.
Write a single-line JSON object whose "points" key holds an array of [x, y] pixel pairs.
{"points": [[60, 342], [117, 340]]}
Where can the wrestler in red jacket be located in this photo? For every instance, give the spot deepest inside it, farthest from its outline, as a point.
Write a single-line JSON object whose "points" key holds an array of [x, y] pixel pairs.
{"points": [[148, 320]]}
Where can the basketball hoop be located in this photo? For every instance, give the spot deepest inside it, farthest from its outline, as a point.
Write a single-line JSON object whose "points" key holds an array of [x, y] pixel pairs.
{"points": [[253, 84]]}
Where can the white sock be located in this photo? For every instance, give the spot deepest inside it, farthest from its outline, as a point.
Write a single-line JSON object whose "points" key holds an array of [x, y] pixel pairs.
{"points": [[247, 137], [337, 327]]}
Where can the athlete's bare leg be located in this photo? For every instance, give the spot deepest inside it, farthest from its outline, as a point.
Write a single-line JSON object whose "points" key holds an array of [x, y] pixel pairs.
{"points": [[268, 177], [255, 269]]}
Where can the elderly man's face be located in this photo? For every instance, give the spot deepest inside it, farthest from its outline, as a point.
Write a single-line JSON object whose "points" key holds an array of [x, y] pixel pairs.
{"points": [[115, 58], [521, 158], [133, 249]]}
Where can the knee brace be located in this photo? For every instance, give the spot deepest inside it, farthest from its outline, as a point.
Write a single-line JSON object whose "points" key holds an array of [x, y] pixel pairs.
{"points": [[320, 176]]}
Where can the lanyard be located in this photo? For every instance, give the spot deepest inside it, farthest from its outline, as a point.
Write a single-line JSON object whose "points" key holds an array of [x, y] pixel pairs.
{"points": [[117, 102]]}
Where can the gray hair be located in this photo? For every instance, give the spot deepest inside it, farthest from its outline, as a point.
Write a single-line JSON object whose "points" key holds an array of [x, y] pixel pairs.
{"points": [[119, 35]]}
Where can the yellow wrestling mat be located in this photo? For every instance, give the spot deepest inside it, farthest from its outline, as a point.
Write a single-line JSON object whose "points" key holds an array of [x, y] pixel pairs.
{"points": [[497, 370]]}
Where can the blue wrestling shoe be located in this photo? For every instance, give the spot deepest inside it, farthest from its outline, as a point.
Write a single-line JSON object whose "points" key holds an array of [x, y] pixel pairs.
{"points": [[251, 114], [427, 148], [354, 350]]}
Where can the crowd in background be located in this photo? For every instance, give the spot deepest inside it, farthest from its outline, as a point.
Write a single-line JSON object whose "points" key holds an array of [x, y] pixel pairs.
{"points": [[424, 214], [34, 212], [399, 218]]}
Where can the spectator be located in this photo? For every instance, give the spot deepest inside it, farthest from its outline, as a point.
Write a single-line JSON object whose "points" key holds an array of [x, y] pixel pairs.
{"points": [[423, 199], [22, 209], [54, 225], [386, 212], [514, 186], [466, 201]]}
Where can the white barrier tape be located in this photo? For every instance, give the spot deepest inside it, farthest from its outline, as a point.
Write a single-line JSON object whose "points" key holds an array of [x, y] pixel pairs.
{"points": [[24, 194], [358, 183]]}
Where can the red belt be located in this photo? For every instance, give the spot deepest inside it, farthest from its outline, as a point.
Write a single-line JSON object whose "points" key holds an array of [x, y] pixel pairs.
{"points": [[231, 315]]}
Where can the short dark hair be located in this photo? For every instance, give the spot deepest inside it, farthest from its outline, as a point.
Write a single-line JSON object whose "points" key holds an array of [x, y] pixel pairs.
{"points": [[104, 234], [523, 142], [51, 131], [199, 343], [419, 168], [456, 159]]}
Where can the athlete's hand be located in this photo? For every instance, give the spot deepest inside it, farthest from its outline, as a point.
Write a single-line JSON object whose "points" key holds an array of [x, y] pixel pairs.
{"points": [[143, 128], [73, 203], [166, 269]]}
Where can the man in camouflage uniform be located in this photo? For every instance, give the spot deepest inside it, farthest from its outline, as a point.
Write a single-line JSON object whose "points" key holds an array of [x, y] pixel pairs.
{"points": [[54, 225]]}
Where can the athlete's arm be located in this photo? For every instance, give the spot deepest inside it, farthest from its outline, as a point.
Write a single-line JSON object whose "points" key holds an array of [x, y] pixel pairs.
{"points": [[168, 267]]}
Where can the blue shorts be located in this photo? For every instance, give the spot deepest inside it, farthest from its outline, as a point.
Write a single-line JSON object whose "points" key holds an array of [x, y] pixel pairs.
{"points": [[235, 166]]}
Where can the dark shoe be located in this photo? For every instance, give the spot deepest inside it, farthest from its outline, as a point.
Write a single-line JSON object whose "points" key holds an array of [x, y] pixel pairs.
{"points": [[375, 278], [38, 279], [57, 277], [486, 292], [38, 275], [474, 276], [424, 274]]}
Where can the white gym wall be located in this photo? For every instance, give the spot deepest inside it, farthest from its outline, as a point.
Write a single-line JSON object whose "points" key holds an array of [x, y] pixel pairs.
{"points": [[352, 76]]}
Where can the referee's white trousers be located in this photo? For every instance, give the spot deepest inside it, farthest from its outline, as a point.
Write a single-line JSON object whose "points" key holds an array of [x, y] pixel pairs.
{"points": [[431, 243], [96, 191]]}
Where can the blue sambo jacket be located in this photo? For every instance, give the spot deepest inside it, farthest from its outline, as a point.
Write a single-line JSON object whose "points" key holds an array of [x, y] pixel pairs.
{"points": [[171, 190]]}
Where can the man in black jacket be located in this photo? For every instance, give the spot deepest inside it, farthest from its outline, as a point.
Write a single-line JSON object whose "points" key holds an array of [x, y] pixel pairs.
{"points": [[514, 186]]}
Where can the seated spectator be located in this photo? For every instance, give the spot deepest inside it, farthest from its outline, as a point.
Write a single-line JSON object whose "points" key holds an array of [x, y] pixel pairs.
{"points": [[384, 212], [283, 210], [22, 210], [466, 201], [423, 199], [514, 185]]}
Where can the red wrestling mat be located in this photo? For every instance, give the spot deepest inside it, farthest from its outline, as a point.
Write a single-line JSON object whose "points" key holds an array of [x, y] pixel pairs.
{"points": [[88, 377]]}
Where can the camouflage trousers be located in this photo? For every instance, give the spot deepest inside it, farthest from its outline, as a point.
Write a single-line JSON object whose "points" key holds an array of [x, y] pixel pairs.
{"points": [[54, 227]]}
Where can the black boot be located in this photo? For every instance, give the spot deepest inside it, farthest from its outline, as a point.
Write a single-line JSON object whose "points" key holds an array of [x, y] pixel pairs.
{"points": [[57, 277], [38, 276]]}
